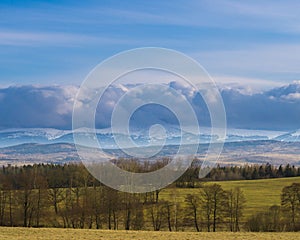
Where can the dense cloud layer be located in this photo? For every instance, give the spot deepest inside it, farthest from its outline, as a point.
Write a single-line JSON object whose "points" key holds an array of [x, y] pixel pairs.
{"points": [[278, 109], [31, 106], [36, 106]]}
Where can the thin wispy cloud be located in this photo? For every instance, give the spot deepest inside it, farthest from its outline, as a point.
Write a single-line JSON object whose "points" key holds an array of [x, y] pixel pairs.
{"points": [[23, 38], [237, 39], [277, 62], [246, 85]]}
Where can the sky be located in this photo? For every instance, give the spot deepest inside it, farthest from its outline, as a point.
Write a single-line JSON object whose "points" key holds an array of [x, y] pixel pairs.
{"points": [[255, 43], [250, 48]]}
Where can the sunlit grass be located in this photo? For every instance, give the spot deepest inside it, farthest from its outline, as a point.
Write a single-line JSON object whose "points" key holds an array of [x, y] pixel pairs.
{"points": [[260, 194], [59, 234]]}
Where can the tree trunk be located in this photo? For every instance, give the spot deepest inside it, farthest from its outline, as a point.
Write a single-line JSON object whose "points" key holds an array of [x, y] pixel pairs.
{"points": [[127, 223], [169, 218], [215, 215], [10, 209], [25, 207], [195, 218], [38, 208]]}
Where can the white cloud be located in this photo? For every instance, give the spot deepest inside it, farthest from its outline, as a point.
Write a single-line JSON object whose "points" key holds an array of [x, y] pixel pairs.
{"points": [[51, 106], [35, 106], [246, 85], [292, 96]]}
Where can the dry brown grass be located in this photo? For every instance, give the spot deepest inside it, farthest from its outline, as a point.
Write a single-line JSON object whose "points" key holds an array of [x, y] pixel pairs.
{"points": [[60, 234]]}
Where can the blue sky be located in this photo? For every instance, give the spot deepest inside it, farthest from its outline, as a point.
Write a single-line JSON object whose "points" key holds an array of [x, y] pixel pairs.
{"points": [[59, 42]]}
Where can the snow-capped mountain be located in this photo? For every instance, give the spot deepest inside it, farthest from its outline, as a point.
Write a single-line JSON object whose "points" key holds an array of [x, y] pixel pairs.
{"points": [[289, 137], [171, 134]]}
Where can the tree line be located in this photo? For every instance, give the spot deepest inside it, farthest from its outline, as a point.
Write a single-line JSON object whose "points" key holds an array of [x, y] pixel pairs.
{"points": [[47, 195], [244, 172]]}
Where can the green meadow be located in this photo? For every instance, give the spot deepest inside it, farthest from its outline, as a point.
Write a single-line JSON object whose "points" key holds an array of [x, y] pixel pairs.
{"points": [[260, 194]]}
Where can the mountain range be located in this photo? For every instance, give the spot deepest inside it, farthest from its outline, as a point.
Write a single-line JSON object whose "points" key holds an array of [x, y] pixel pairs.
{"points": [[28, 146], [11, 137]]}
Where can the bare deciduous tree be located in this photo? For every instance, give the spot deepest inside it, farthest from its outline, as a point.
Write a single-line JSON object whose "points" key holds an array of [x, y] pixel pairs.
{"points": [[290, 200], [193, 202], [214, 205], [236, 205]]}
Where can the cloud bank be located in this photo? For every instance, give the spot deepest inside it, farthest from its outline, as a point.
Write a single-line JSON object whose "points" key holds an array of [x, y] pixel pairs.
{"points": [[33, 106], [51, 106]]}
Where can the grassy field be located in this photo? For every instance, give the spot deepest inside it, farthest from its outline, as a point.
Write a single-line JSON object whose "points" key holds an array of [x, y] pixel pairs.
{"points": [[56, 233], [260, 194]]}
